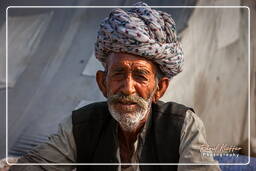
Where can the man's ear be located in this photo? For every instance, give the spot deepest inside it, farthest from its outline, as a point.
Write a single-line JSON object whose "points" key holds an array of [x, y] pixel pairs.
{"points": [[101, 81], [163, 84]]}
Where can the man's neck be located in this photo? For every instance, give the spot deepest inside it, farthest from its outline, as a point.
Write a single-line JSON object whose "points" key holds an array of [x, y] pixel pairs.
{"points": [[126, 143], [127, 139]]}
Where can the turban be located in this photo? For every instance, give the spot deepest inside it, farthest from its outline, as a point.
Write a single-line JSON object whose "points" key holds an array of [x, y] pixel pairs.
{"points": [[141, 31]]}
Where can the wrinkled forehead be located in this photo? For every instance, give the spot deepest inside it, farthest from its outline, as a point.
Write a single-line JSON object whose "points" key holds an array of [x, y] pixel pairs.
{"points": [[129, 62]]}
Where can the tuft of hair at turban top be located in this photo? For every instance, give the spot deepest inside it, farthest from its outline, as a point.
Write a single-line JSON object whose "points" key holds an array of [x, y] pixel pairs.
{"points": [[141, 31]]}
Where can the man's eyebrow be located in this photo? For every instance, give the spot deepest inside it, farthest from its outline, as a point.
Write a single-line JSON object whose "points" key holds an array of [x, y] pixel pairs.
{"points": [[118, 69]]}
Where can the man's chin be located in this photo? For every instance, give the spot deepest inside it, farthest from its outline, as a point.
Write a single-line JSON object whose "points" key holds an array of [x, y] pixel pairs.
{"points": [[129, 124], [127, 120]]}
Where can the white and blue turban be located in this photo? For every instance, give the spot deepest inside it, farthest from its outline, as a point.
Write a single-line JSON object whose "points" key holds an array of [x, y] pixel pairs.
{"points": [[141, 31]]}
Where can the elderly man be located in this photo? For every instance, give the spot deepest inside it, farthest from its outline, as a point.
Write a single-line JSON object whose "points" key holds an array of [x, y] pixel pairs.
{"points": [[140, 52]]}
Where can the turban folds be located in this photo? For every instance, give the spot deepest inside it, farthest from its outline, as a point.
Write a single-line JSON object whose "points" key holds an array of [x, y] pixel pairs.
{"points": [[141, 31]]}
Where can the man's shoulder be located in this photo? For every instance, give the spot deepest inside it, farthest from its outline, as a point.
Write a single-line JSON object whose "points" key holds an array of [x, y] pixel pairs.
{"points": [[172, 109], [91, 112]]}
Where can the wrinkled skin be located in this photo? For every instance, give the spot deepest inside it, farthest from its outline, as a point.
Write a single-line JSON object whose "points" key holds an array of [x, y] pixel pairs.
{"points": [[134, 78]]}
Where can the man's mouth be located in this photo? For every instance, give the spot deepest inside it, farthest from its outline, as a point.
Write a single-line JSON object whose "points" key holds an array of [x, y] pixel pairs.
{"points": [[127, 103], [127, 106]]}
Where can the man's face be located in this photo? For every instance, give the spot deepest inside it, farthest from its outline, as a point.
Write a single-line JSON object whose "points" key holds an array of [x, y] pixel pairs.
{"points": [[131, 84]]}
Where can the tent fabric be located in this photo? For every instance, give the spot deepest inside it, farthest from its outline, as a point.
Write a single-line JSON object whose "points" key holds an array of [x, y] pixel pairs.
{"points": [[215, 76], [24, 38]]}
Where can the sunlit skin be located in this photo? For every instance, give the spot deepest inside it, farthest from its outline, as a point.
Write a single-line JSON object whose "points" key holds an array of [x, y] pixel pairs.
{"points": [[130, 74]]}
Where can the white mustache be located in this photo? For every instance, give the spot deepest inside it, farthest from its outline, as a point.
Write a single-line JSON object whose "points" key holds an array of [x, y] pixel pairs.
{"points": [[117, 98]]}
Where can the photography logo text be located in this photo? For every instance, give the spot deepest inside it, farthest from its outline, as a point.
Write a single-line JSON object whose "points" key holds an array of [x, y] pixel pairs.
{"points": [[220, 150]]}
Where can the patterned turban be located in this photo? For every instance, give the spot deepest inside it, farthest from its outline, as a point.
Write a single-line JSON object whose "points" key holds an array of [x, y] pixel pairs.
{"points": [[141, 31]]}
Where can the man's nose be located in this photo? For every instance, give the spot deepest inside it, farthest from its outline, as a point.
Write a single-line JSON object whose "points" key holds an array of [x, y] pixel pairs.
{"points": [[128, 86]]}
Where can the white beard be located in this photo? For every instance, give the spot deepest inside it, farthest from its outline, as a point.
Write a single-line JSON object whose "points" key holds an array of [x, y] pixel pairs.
{"points": [[129, 121]]}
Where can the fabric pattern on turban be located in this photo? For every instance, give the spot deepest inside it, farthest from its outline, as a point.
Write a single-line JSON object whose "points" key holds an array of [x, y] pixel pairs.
{"points": [[141, 31]]}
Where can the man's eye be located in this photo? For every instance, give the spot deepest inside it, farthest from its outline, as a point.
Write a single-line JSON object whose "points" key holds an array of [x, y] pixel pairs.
{"points": [[117, 75], [141, 77]]}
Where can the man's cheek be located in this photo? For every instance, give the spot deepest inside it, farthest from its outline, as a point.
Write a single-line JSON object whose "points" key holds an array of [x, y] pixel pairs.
{"points": [[111, 88]]}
